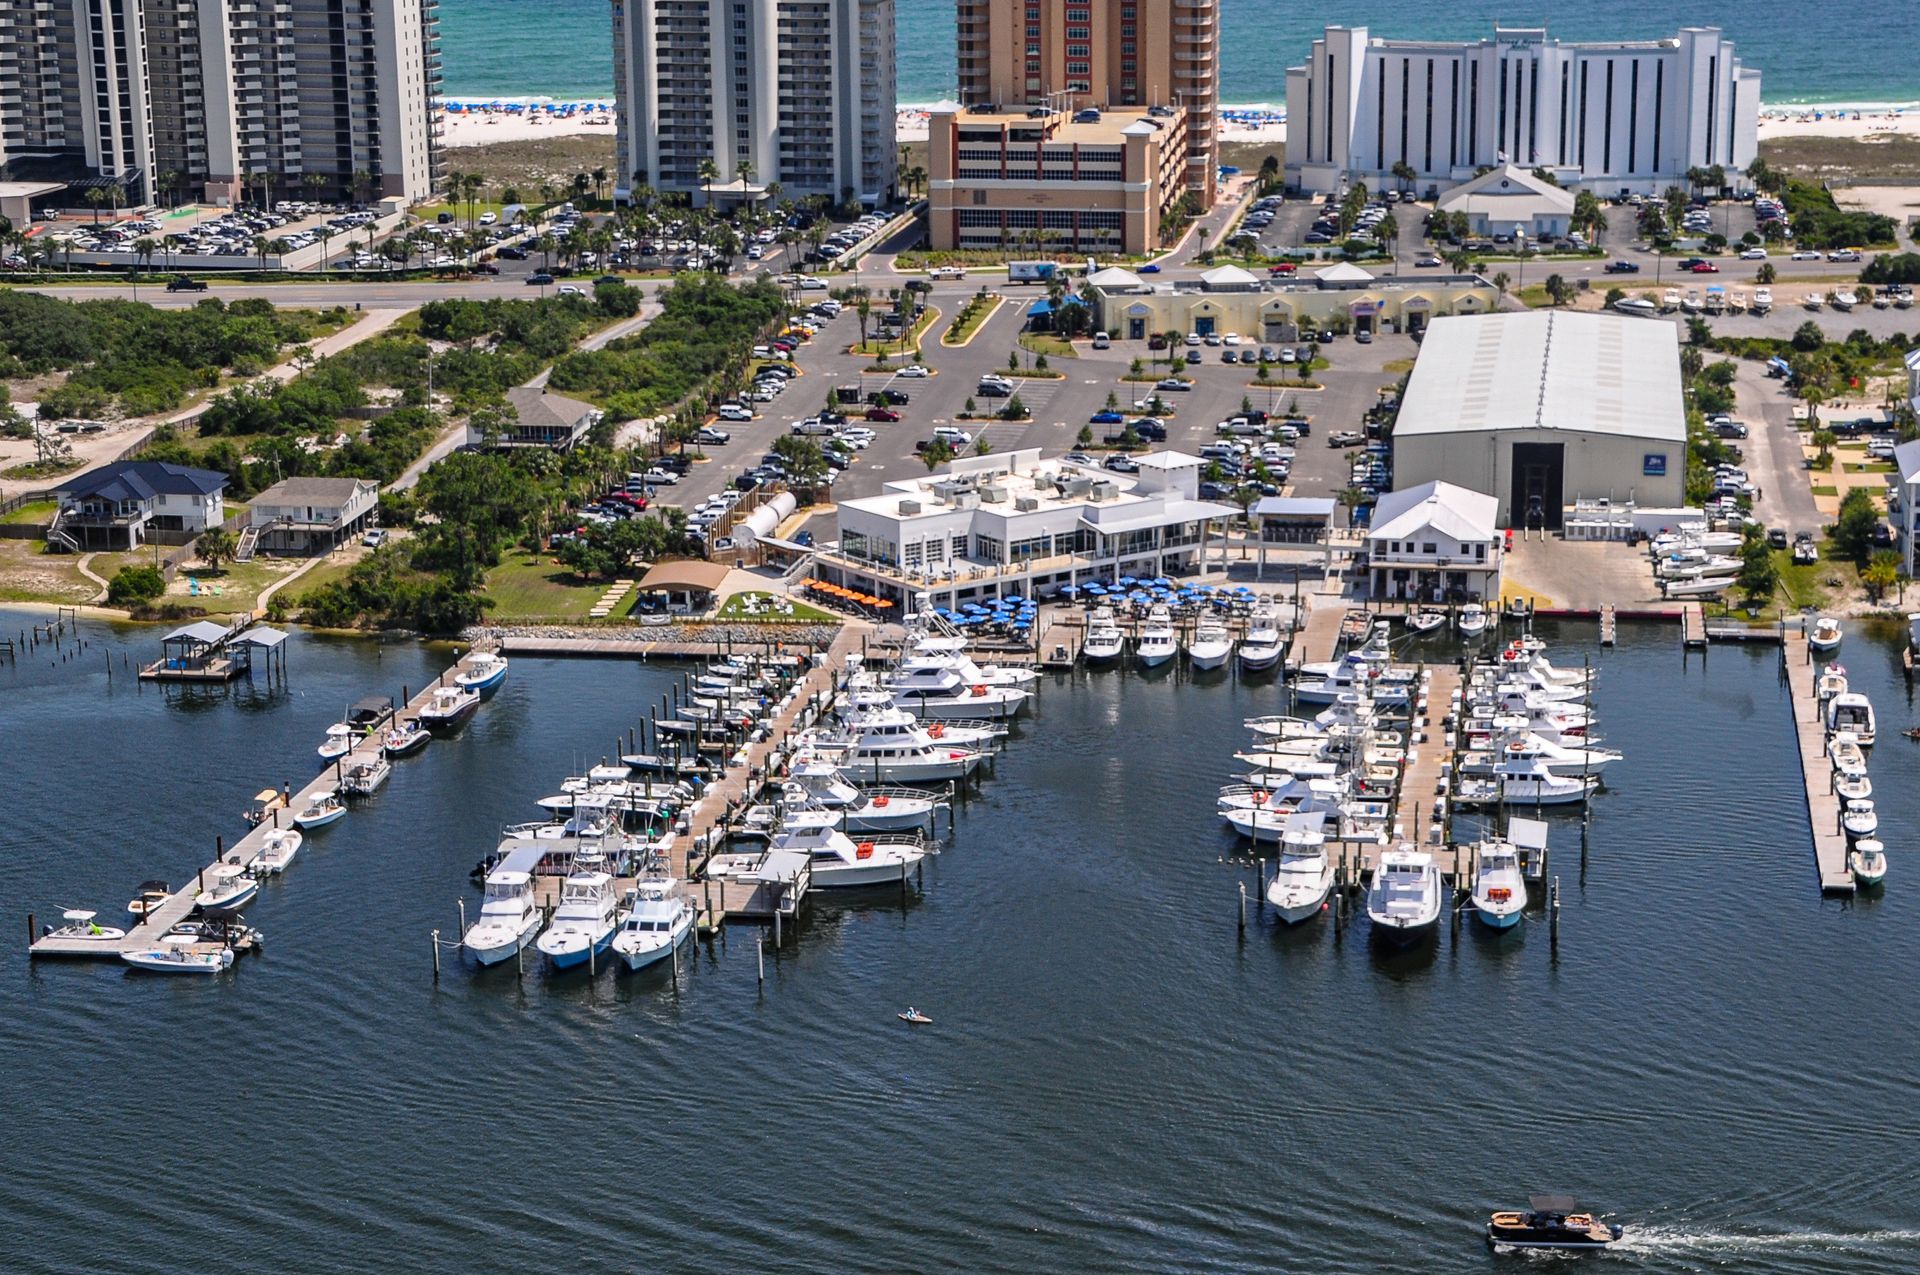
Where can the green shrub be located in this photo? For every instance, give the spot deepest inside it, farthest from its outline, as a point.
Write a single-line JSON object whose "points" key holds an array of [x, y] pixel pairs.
{"points": [[132, 586]]}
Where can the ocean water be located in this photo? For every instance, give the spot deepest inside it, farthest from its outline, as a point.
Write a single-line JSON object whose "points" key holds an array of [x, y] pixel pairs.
{"points": [[561, 48], [1115, 1080]]}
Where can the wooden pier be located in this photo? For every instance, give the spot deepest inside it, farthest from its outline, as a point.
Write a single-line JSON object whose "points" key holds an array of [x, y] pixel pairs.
{"points": [[1693, 624], [146, 931], [1823, 804], [1060, 644], [1426, 778], [1316, 641], [1608, 624], [636, 649]]}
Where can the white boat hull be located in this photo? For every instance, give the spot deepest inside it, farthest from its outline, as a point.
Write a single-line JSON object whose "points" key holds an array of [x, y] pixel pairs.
{"points": [[1151, 658], [1207, 656], [1257, 659], [174, 960], [569, 951], [657, 947], [491, 943], [879, 870], [1100, 654], [898, 814], [1296, 898]]}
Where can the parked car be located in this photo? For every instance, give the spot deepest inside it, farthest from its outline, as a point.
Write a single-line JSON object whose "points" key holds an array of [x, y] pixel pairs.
{"points": [[1105, 418], [1172, 383], [180, 283], [1120, 463], [882, 414], [1345, 438], [658, 477], [1151, 429], [734, 412], [708, 434]]}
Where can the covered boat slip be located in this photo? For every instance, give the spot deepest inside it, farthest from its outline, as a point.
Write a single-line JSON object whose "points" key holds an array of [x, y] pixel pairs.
{"points": [[144, 932], [209, 652]]}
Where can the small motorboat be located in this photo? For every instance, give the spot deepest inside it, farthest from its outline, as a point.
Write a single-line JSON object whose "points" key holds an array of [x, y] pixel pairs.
{"points": [[1831, 682], [1853, 787], [339, 742], [484, 673], [1826, 634], [408, 737], [363, 779], [1500, 891], [277, 850], [1860, 819], [229, 888], [1852, 712], [152, 894], [179, 960], [322, 810], [1472, 620], [81, 925], [1868, 862], [1843, 750], [1426, 621], [912, 1015], [449, 707], [1551, 1222], [1912, 732]]}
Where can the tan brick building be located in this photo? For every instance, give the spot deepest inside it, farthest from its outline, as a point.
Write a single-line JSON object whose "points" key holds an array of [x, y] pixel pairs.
{"points": [[1047, 183], [1106, 54]]}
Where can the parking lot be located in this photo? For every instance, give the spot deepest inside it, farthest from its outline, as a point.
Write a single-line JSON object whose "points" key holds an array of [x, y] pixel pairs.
{"points": [[1060, 406]]}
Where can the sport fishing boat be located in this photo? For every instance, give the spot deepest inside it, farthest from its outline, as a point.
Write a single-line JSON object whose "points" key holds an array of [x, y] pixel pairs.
{"points": [[339, 742], [1212, 644], [509, 915], [1867, 861], [1260, 648], [839, 860], [657, 920], [1500, 891], [179, 960], [1852, 787], [1304, 875], [890, 747], [583, 923], [814, 782], [1560, 760], [1104, 639], [1157, 642], [1550, 1222], [1852, 712], [408, 737], [1527, 783], [1825, 635], [449, 707], [80, 925], [932, 688], [229, 888], [484, 673], [1859, 818], [277, 850], [1405, 900], [322, 810]]}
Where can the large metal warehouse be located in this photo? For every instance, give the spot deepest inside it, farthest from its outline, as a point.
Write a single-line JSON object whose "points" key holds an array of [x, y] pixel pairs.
{"points": [[1544, 409]]}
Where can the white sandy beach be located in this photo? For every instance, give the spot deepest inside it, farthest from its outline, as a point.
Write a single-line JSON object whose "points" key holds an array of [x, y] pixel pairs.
{"points": [[478, 125]]}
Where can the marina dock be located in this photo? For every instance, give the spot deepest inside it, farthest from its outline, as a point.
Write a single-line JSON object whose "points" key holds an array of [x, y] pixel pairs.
{"points": [[1608, 625], [146, 931], [1823, 804], [1693, 624]]}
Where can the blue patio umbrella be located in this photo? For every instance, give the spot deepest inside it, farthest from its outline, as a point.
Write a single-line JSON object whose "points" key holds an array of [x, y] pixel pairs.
{"points": [[1069, 589], [1126, 580]]}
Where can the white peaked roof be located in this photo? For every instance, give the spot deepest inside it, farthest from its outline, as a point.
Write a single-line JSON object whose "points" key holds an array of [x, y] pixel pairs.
{"points": [[1344, 272], [1906, 459], [1558, 370], [1455, 512], [1228, 277], [1508, 192], [1115, 277]]}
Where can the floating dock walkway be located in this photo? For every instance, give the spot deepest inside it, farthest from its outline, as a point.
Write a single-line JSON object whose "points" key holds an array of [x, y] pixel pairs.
{"points": [[1823, 804]]}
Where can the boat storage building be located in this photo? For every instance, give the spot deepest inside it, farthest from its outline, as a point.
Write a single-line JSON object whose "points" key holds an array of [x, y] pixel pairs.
{"points": [[1545, 409]]}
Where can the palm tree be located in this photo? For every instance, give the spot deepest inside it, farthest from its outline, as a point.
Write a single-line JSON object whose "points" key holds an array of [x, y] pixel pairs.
{"points": [[709, 173], [581, 184], [260, 249], [470, 186], [143, 251], [599, 182], [96, 196], [169, 182], [916, 179], [1404, 173], [315, 183], [362, 184]]}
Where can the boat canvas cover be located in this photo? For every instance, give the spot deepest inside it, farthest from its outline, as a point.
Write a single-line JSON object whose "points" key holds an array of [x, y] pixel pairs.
{"points": [[782, 867], [522, 858], [1552, 1203], [370, 708], [1529, 834]]}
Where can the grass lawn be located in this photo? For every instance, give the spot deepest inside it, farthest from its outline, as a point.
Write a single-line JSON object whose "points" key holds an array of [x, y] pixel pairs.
{"points": [[734, 608], [28, 575], [1807, 585], [40, 511], [1826, 491], [335, 568], [528, 585], [967, 322], [907, 344], [1048, 344]]}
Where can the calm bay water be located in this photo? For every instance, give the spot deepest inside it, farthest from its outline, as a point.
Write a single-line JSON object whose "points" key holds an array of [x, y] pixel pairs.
{"points": [[1807, 55], [1113, 1081]]}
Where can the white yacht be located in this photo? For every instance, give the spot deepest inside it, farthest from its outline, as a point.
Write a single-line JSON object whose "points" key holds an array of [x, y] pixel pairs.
{"points": [[1260, 648], [1405, 900], [951, 649], [1560, 760], [1304, 875], [1350, 711], [1527, 783], [1852, 712], [1825, 635], [583, 923], [839, 860], [657, 920], [1212, 644], [891, 747], [1472, 620], [1859, 818], [1868, 862], [1157, 642], [934, 689], [814, 782], [277, 849], [1500, 891], [509, 914], [1843, 750], [1104, 639]]}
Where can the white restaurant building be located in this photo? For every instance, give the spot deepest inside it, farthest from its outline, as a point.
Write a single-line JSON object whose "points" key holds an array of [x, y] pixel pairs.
{"points": [[1013, 523], [1612, 116]]}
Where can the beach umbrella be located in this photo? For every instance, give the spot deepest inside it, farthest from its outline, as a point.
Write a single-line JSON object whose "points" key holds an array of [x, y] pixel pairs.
{"points": [[1126, 580], [1069, 589]]}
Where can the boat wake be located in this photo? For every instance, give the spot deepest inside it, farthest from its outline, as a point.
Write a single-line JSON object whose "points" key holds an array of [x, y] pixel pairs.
{"points": [[1659, 1239]]}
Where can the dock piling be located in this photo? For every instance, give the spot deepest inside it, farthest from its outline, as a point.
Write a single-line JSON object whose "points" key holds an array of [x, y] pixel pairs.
{"points": [[1243, 908], [436, 956], [463, 921], [1553, 917], [760, 957]]}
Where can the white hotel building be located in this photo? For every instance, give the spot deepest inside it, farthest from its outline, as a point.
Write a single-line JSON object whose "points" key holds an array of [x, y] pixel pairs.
{"points": [[1621, 116], [1014, 523]]}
